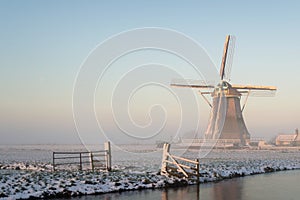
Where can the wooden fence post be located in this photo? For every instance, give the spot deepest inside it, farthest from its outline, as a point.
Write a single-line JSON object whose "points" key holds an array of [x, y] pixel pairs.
{"points": [[80, 162], [198, 177], [166, 149], [197, 171], [53, 161], [92, 161], [107, 148]]}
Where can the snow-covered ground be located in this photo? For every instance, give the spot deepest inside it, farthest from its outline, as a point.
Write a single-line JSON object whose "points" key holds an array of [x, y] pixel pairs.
{"points": [[25, 171]]}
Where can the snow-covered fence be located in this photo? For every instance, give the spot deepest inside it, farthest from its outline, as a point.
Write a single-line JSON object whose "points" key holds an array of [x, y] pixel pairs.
{"points": [[90, 159], [178, 166]]}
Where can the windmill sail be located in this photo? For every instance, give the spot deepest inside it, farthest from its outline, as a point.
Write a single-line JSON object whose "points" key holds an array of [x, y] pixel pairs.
{"points": [[256, 90], [253, 87], [226, 65], [191, 83]]}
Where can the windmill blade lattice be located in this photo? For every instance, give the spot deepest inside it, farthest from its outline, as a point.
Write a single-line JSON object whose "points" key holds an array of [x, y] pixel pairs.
{"points": [[229, 58], [190, 83], [255, 90], [259, 93]]}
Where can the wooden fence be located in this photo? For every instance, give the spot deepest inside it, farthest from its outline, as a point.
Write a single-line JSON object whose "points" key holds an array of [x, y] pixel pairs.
{"points": [[84, 159], [178, 166]]}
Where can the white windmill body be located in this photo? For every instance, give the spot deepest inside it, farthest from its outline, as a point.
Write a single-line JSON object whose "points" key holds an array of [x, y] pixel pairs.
{"points": [[226, 123]]}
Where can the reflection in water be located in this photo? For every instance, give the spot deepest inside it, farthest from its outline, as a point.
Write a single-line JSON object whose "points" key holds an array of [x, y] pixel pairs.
{"points": [[192, 192], [224, 190], [280, 185], [228, 190]]}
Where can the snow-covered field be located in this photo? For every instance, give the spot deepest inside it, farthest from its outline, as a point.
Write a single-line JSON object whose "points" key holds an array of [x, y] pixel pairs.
{"points": [[25, 171]]}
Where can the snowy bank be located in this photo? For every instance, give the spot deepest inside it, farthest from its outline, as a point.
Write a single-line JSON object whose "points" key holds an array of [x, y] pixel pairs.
{"points": [[23, 184], [31, 180]]}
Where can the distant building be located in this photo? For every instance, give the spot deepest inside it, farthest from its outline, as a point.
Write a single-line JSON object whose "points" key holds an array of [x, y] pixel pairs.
{"points": [[297, 139], [288, 139]]}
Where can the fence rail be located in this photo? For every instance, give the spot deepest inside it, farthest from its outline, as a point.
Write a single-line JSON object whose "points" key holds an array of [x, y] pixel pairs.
{"points": [[92, 159], [171, 165]]}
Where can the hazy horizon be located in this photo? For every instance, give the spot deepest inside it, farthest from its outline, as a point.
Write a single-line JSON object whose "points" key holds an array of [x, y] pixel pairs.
{"points": [[44, 44]]}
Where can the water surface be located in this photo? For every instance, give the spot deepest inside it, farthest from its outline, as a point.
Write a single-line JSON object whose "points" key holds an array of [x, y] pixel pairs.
{"points": [[273, 186]]}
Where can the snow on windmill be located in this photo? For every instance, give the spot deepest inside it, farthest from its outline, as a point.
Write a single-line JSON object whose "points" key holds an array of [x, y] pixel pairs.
{"points": [[226, 122]]}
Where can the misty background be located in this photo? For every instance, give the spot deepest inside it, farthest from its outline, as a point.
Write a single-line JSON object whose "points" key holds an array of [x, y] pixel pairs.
{"points": [[44, 43]]}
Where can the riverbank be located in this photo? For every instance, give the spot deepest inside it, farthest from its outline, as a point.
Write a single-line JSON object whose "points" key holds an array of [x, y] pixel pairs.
{"points": [[270, 186], [42, 183], [31, 177]]}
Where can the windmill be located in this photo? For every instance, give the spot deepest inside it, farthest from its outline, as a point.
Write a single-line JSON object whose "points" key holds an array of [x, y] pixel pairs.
{"points": [[226, 120]]}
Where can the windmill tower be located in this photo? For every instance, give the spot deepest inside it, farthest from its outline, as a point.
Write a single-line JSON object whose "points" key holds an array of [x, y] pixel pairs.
{"points": [[226, 121]]}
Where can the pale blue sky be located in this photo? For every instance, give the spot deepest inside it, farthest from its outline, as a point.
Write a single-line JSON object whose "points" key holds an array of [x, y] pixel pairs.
{"points": [[43, 44]]}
